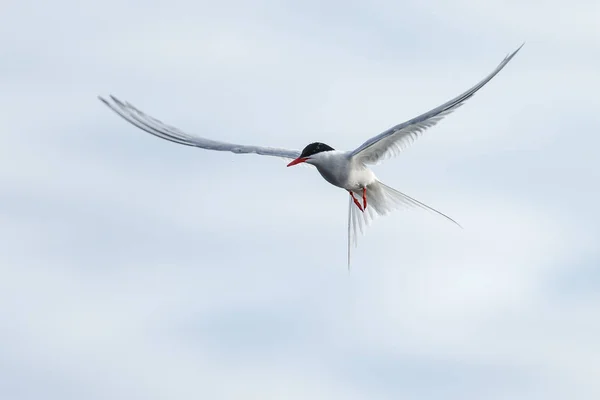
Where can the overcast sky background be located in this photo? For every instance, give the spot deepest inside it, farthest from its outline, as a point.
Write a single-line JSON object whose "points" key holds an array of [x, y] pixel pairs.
{"points": [[134, 268]]}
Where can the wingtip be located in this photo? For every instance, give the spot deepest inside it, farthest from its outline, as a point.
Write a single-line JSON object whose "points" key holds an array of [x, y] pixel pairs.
{"points": [[509, 56], [103, 100], [115, 99], [517, 50]]}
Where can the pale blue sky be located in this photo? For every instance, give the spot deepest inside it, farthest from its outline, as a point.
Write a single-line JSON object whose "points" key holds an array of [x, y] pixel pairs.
{"points": [[136, 268]]}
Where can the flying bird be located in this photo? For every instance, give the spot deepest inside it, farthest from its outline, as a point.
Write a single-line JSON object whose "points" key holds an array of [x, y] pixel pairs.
{"points": [[348, 170]]}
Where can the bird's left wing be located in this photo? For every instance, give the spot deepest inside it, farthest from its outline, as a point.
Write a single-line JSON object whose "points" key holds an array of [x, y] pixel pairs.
{"points": [[170, 133], [391, 142]]}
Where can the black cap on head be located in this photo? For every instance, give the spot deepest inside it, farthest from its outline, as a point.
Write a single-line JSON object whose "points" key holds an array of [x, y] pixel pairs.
{"points": [[315, 148]]}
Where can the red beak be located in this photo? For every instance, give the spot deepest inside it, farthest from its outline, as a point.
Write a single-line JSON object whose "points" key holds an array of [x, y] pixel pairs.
{"points": [[298, 161]]}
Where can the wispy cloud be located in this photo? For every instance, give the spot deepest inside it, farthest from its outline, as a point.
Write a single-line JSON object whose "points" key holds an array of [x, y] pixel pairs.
{"points": [[136, 268]]}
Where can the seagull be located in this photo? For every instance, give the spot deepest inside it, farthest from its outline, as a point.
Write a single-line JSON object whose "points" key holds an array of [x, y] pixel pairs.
{"points": [[348, 170]]}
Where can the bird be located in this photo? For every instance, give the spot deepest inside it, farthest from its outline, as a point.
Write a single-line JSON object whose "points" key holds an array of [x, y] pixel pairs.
{"points": [[349, 170]]}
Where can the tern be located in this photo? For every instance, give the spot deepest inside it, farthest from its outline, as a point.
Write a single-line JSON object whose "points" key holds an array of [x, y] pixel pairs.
{"points": [[348, 170]]}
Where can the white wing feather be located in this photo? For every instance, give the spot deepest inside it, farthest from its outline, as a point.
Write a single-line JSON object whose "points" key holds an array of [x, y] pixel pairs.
{"points": [[170, 133], [391, 142]]}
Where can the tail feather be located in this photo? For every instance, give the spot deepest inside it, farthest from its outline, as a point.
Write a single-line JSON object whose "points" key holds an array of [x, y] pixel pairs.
{"points": [[381, 200], [409, 201]]}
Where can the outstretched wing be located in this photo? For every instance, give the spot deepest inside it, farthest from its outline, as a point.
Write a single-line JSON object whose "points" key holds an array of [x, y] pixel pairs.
{"points": [[170, 133], [391, 142]]}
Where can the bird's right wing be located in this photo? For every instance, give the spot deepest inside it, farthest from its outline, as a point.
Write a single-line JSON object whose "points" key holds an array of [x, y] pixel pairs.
{"points": [[391, 142], [170, 133]]}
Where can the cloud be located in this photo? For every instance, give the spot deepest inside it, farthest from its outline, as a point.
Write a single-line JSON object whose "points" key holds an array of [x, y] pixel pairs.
{"points": [[133, 267]]}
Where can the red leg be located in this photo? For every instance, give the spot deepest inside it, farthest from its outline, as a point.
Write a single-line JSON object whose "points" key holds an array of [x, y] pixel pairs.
{"points": [[365, 198], [356, 201]]}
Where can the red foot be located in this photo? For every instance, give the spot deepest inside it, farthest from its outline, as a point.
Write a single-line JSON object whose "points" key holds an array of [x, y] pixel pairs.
{"points": [[356, 201], [365, 198]]}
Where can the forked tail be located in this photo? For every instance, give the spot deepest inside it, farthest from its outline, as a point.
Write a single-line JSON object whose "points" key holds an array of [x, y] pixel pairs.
{"points": [[381, 200]]}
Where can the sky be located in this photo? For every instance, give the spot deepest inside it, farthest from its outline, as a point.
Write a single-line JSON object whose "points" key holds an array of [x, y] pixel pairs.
{"points": [[135, 268]]}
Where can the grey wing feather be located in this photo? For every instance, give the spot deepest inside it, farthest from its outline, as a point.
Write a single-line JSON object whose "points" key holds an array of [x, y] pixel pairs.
{"points": [[391, 142], [170, 133]]}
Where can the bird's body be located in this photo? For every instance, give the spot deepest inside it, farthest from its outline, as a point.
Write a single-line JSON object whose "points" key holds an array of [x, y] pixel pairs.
{"points": [[347, 170], [341, 170]]}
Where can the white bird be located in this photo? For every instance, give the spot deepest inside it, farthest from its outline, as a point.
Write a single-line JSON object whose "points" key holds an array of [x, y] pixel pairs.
{"points": [[348, 170]]}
